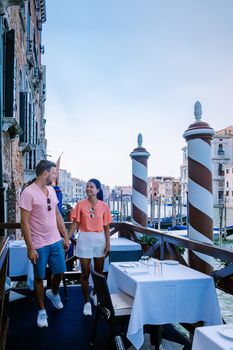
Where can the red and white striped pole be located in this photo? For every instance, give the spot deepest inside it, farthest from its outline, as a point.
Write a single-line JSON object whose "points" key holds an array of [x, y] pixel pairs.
{"points": [[139, 194], [200, 197]]}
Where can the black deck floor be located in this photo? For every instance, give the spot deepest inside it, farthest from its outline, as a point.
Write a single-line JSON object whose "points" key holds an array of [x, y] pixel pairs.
{"points": [[68, 328]]}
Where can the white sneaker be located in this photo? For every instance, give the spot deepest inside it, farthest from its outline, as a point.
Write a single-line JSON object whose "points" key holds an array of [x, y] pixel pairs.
{"points": [[94, 298], [87, 309], [55, 299], [42, 319]]}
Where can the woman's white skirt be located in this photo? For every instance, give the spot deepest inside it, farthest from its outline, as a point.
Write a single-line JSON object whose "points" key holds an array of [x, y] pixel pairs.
{"points": [[90, 245]]}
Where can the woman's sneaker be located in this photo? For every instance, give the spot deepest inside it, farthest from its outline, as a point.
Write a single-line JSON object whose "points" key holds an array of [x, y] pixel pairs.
{"points": [[55, 299], [87, 309], [42, 319], [93, 298]]}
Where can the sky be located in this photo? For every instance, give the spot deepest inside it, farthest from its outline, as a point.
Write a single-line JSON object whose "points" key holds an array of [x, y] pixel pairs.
{"points": [[117, 68]]}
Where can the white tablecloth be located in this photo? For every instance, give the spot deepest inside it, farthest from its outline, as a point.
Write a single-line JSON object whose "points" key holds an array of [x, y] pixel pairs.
{"points": [[210, 338], [121, 245], [180, 294], [19, 264]]}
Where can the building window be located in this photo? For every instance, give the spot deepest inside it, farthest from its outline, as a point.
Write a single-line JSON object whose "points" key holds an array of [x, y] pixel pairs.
{"points": [[220, 170], [227, 193], [227, 171], [227, 184], [220, 195], [220, 150]]}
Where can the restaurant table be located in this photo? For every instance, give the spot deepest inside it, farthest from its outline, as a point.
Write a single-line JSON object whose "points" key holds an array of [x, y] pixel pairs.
{"points": [[213, 338], [122, 249], [178, 294], [19, 264]]}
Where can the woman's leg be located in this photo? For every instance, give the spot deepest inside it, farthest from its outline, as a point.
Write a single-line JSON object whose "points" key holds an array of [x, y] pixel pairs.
{"points": [[85, 267], [99, 267], [99, 264]]}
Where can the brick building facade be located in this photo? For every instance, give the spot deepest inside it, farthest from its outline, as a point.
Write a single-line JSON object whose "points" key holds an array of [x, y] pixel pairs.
{"points": [[22, 97]]}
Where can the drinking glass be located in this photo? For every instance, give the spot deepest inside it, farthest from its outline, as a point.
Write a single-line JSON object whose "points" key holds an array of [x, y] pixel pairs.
{"points": [[146, 258]]}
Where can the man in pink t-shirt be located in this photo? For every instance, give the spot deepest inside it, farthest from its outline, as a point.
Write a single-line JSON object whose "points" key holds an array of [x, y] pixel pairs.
{"points": [[42, 227]]}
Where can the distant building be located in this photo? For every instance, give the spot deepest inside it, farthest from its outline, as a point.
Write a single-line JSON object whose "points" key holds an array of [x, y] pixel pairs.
{"points": [[184, 176], [79, 190], [169, 188], [222, 158], [106, 192], [222, 155], [164, 186], [126, 190], [228, 188], [66, 185], [23, 94]]}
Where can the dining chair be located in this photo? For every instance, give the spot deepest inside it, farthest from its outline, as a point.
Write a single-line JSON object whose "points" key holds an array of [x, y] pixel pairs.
{"points": [[115, 308]]}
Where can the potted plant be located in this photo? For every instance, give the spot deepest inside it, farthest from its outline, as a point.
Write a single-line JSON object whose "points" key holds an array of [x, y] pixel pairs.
{"points": [[146, 241]]}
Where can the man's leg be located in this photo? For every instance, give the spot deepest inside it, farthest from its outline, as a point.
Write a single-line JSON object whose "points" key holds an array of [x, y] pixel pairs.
{"points": [[39, 292], [56, 280], [39, 274], [57, 266]]}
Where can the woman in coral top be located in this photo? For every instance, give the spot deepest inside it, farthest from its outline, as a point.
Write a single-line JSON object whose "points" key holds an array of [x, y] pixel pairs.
{"points": [[91, 217]]}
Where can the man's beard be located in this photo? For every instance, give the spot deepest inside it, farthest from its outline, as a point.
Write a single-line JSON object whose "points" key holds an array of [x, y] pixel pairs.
{"points": [[48, 182]]}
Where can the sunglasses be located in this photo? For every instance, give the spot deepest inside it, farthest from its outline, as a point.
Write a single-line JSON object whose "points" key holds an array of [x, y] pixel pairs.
{"points": [[48, 203], [92, 212]]}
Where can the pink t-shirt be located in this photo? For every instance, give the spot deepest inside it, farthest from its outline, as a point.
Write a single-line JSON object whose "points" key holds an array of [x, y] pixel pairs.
{"points": [[43, 222], [91, 221]]}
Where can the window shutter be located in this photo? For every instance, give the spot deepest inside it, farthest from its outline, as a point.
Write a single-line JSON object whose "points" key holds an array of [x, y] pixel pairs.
{"points": [[9, 73], [23, 115]]}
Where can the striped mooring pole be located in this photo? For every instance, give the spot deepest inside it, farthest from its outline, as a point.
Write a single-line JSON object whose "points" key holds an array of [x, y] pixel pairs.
{"points": [[139, 158], [200, 198]]}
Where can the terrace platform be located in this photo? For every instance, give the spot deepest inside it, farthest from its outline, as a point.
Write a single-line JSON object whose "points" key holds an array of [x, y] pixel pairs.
{"points": [[68, 328]]}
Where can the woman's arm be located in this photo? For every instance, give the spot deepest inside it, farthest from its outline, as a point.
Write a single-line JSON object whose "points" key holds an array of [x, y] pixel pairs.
{"points": [[73, 227], [107, 239]]}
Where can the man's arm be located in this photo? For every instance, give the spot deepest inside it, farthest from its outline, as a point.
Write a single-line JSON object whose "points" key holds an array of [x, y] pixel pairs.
{"points": [[25, 227], [62, 229]]}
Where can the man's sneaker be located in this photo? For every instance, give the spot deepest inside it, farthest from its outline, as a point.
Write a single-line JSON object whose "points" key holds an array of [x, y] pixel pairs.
{"points": [[87, 309], [55, 299], [94, 298], [42, 319]]}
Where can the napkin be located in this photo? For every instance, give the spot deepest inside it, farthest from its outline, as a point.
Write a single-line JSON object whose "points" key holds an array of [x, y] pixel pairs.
{"points": [[121, 301], [128, 264], [138, 271]]}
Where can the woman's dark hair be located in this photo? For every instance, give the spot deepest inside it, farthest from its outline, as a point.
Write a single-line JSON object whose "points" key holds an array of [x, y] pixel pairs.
{"points": [[97, 183], [44, 165]]}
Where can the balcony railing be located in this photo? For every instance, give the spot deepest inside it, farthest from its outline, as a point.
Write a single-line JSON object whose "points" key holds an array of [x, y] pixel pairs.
{"points": [[168, 246]]}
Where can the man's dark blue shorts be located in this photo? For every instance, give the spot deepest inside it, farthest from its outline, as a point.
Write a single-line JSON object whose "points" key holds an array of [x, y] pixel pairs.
{"points": [[52, 255]]}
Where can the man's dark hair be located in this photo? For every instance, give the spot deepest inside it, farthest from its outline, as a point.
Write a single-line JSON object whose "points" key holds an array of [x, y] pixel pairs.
{"points": [[44, 165]]}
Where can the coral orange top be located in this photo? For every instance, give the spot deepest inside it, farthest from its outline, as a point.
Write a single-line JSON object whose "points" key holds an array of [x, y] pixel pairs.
{"points": [[91, 220]]}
